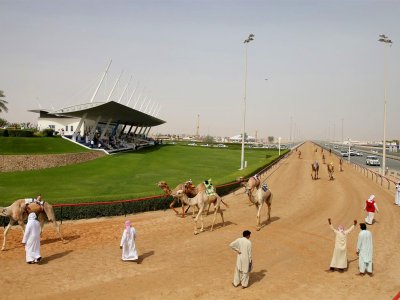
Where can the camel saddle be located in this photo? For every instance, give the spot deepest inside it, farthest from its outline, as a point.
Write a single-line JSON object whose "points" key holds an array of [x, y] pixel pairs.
{"points": [[210, 191]]}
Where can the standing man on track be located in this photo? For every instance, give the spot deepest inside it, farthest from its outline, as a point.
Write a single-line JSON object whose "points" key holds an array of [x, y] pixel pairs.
{"points": [[242, 246], [364, 250]]}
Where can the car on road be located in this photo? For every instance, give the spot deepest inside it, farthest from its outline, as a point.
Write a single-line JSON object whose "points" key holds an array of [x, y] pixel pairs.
{"points": [[358, 153], [222, 146], [192, 144], [372, 160], [344, 153]]}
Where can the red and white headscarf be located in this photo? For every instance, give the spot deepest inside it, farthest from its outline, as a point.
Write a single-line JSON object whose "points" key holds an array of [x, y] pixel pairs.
{"points": [[127, 225]]}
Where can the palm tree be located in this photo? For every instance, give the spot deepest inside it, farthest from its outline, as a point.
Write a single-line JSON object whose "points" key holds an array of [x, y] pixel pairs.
{"points": [[3, 102]]}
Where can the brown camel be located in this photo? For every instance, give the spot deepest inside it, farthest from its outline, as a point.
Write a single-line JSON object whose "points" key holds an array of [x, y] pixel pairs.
{"points": [[201, 200], [18, 213], [323, 158], [314, 170], [299, 154], [251, 184], [262, 195], [330, 170], [341, 165], [187, 187]]}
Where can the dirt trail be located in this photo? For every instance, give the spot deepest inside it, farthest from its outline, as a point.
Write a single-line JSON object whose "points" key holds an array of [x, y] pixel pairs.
{"points": [[291, 254]]}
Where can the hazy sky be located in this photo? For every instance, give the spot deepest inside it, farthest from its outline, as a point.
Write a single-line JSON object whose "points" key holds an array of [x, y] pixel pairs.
{"points": [[322, 60]]}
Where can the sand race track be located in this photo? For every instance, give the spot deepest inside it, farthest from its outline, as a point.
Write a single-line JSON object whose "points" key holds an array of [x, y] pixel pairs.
{"points": [[291, 254]]}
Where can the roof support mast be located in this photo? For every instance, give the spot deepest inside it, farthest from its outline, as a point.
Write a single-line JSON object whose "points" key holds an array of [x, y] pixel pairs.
{"points": [[115, 84], [123, 93], [101, 81]]}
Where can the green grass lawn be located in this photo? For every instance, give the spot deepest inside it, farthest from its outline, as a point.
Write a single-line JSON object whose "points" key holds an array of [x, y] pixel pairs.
{"points": [[131, 175], [37, 145]]}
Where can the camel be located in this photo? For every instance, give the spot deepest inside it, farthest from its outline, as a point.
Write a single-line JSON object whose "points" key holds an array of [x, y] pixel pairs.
{"points": [[323, 158], [187, 187], [314, 170], [299, 154], [341, 165], [262, 195], [18, 213], [201, 200], [251, 184], [330, 170]]}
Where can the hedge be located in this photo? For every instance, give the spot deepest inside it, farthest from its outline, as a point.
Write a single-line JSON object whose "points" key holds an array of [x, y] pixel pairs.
{"points": [[19, 132]]}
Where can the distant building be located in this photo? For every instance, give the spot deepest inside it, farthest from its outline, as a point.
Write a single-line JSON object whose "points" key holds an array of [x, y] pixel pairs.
{"points": [[238, 139]]}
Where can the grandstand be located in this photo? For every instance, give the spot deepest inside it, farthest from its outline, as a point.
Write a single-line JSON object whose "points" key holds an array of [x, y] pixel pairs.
{"points": [[108, 126]]}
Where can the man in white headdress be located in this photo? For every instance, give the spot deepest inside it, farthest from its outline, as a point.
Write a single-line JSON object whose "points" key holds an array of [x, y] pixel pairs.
{"points": [[242, 246], [364, 250], [370, 207], [31, 240], [127, 244], [397, 196], [339, 258]]}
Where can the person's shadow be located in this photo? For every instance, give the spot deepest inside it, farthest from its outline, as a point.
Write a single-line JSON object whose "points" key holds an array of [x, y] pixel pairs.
{"points": [[45, 260], [144, 256], [257, 276]]}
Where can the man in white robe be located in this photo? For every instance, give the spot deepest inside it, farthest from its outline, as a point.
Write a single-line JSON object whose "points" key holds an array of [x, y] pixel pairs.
{"points": [[127, 244], [31, 240], [364, 250], [244, 259], [371, 207], [397, 196], [339, 258]]}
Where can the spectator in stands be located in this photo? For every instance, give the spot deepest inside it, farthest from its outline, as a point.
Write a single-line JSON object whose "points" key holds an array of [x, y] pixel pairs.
{"points": [[397, 197], [129, 252]]}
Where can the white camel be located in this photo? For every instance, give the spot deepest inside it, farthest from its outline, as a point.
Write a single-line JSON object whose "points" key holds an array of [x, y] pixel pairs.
{"points": [[262, 195], [17, 213], [201, 200]]}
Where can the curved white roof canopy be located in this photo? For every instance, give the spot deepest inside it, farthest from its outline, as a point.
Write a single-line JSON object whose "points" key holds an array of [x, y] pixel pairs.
{"points": [[117, 112]]}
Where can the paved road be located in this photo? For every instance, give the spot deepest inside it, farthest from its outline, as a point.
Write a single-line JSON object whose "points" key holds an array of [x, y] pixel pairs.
{"points": [[392, 164]]}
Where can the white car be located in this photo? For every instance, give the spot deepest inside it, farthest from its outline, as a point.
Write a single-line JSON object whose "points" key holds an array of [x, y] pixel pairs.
{"points": [[192, 144], [222, 146], [372, 160], [359, 153]]}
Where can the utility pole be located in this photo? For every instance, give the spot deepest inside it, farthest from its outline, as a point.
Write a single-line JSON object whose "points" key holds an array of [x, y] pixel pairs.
{"points": [[198, 126]]}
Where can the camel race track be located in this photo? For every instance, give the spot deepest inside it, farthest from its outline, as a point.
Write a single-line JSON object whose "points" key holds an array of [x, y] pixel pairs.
{"points": [[291, 254]]}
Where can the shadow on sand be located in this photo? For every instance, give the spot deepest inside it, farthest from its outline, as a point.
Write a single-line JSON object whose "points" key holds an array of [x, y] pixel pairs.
{"points": [[257, 276], [216, 225], [145, 255], [266, 222], [47, 259], [66, 238]]}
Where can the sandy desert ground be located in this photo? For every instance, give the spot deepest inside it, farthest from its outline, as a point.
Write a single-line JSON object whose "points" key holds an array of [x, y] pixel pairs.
{"points": [[291, 253]]}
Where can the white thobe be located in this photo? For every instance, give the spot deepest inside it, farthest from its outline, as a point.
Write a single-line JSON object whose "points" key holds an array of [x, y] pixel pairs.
{"points": [[31, 240], [339, 258], [397, 196], [128, 245], [365, 249], [243, 261]]}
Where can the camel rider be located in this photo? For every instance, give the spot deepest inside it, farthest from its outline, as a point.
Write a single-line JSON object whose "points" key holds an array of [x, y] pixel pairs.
{"points": [[209, 187], [264, 187]]}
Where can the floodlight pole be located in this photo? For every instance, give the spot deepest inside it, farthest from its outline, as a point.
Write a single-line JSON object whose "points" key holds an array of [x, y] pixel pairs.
{"points": [[384, 39], [246, 42]]}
